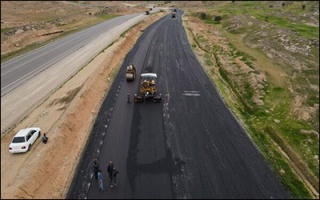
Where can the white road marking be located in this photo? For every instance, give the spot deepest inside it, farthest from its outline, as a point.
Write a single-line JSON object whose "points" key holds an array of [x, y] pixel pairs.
{"points": [[191, 93]]}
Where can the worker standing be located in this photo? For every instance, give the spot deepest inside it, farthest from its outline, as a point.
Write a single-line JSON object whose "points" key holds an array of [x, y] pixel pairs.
{"points": [[44, 138], [114, 176], [128, 95], [96, 168], [99, 174], [145, 97], [110, 171]]}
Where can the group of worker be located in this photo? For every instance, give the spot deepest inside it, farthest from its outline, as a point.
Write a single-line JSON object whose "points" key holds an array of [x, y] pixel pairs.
{"points": [[112, 171]]}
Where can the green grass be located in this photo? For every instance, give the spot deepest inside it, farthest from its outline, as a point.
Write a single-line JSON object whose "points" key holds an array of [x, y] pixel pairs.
{"points": [[289, 127], [293, 156], [290, 130], [255, 124], [278, 163], [313, 99], [208, 59], [278, 101], [239, 53], [303, 29], [3, 30], [249, 92], [262, 12]]}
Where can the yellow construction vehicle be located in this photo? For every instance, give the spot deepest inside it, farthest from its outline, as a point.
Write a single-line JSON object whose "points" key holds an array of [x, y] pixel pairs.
{"points": [[173, 14], [148, 89], [131, 73]]}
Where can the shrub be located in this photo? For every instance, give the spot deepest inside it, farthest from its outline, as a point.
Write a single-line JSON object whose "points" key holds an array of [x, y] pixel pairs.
{"points": [[203, 15], [217, 18]]}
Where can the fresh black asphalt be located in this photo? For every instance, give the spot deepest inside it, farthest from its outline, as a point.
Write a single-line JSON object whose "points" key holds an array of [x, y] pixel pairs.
{"points": [[188, 146]]}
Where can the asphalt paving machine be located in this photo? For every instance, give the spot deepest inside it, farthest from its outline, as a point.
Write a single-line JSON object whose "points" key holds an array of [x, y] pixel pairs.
{"points": [[148, 89]]}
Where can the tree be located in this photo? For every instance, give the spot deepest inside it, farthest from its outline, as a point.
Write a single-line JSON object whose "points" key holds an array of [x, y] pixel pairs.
{"points": [[303, 7]]}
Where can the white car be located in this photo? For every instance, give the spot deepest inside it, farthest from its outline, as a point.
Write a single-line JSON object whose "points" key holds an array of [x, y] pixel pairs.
{"points": [[23, 140]]}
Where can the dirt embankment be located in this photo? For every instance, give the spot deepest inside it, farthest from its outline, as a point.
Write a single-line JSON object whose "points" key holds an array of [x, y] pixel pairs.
{"points": [[66, 117]]}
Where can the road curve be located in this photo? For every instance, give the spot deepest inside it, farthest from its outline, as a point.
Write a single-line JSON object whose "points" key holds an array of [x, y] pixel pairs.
{"points": [[188, 146], [30, 78]]}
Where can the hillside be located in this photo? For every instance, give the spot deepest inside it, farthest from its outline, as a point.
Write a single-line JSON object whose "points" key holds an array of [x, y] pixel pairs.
{"points": [[262, 56]]}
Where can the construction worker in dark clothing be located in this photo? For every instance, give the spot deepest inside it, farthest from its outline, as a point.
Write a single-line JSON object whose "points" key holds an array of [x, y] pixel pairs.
{"points": [[96, 168], [128, 94], [114, 177], [44, 138], [110, 172]]}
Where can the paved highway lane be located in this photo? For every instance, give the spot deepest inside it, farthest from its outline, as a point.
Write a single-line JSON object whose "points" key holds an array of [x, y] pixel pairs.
{"points": [[188, 146], [214, 157], [28, 79], [111, 135], [16, 71]]}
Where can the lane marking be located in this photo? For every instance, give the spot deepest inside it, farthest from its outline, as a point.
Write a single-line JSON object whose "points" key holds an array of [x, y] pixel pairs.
{"points": [[191, 93]]}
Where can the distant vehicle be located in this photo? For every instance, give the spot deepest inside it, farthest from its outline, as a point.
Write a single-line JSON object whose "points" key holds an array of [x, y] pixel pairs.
{"points": [[24, 139]]}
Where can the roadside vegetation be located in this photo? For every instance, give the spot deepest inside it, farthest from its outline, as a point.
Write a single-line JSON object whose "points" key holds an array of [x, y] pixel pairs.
{"points": [[275, 98]]}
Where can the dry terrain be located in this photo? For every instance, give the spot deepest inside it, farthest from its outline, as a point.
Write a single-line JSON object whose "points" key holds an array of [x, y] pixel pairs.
{"points": [[68, 114]]}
